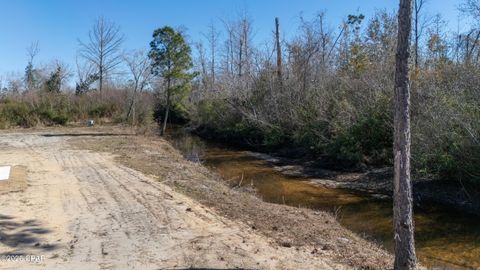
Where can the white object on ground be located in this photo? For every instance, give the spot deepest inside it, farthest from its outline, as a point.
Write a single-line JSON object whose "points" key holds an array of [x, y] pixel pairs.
{"points": [[4, 172]]}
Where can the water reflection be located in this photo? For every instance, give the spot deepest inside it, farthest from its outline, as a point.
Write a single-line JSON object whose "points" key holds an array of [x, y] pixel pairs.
{"points": [[445, 239]]}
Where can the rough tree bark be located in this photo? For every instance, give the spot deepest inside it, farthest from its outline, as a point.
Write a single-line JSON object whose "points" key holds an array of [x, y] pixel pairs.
{"points": [[405, 257], [279, 50]]}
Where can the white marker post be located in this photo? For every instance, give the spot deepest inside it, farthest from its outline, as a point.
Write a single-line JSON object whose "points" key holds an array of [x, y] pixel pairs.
{"points": [[4, 173]]}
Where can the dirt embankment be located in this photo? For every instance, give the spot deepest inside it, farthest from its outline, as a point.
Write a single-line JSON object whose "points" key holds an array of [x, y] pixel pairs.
{"points": [[83, 209], [295, 229]]}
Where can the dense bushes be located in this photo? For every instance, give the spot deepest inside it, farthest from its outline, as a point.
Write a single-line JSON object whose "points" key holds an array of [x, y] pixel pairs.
{"points": [[350, 133], [331, 98], [334, 100], [446, 129], [369, 141], [46, 108], [13, 113]]}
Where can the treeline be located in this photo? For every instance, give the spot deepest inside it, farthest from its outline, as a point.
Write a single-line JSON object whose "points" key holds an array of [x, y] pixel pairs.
{"points": [[46, 109], [109, 83], [325, 93], [328, 94]]}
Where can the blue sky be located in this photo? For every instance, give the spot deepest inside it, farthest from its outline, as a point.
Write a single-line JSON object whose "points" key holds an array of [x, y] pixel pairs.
{"points": [[57, 25]]}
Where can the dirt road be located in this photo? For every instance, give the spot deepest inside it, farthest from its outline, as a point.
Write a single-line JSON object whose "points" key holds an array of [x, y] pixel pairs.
{"points": [[82, 210]]}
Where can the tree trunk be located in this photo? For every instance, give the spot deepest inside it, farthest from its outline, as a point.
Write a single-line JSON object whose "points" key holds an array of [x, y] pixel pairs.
{"points": [[405, 257], [279, 51], [134, 119], [213, 40], [130, 108], [167, 109], [417, 11], [213, 68], [230, 41], [100, 75], [240, 58]]}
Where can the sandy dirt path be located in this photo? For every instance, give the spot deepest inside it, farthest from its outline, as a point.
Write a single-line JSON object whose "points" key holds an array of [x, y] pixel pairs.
{"points": [[81, 210]]}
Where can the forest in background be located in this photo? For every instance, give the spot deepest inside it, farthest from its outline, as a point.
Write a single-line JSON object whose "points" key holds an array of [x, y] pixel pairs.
{"points": [[327, 92]]}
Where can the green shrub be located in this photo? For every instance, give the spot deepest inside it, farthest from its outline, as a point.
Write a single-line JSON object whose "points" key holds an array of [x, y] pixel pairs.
{"points": [[100, 110], [176, 114], [369, 141], [53, 116], [275, 137], [454, 159], [53, 109], [17, 114], [145, 116], [313, 135]]}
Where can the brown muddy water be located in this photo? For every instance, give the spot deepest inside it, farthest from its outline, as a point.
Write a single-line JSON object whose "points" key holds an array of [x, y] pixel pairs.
{"points": [[445, 239]]}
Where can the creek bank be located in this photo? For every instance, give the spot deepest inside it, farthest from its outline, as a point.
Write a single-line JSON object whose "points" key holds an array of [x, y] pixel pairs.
{"points": [[299, 162], [79, 209], [378, 183], [320, 233]]}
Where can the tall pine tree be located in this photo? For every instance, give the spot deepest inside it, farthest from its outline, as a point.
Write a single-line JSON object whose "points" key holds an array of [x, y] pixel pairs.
{"points": [[172, 61]]}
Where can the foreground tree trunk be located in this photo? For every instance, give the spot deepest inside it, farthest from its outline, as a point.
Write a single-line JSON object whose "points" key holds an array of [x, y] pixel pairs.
{"points": [[405, 257]]}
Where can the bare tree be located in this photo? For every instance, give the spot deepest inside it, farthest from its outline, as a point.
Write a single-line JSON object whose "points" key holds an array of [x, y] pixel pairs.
{"points": [[278, 49], [237, 58], [139, 66], [324, 37], [244, 36], [405, 257], [471, 7], [14, 84], [32, 51], [229, 47], [212, 37], [103, 48], [303, 50], [418, 27], [437, 45], [202, 64], [470, 41], [30, 79]]}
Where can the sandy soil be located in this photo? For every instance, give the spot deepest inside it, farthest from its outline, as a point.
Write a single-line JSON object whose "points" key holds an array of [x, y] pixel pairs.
{"points": [[296, 228], [82, 210]]}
